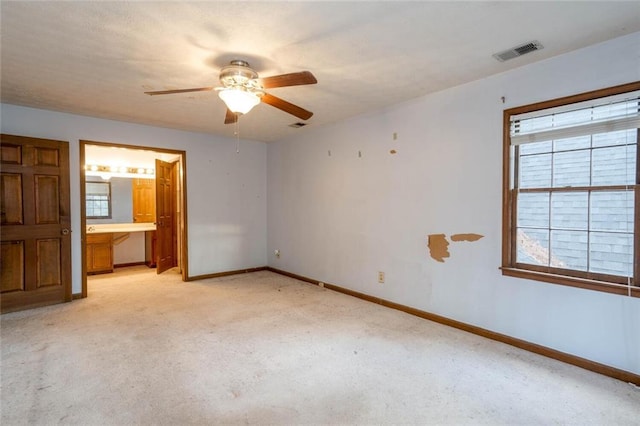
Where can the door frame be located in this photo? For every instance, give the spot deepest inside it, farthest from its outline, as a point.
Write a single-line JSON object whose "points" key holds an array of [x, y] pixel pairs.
{"points": [[181, 219]]}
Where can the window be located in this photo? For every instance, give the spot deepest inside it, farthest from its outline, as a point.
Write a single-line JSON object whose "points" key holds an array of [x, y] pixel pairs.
{"points": [[571, 196], [98, 200]]}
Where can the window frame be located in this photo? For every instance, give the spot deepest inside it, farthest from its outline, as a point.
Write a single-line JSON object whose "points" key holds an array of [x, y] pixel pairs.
{"points": [[109, 198], [566, 277]]}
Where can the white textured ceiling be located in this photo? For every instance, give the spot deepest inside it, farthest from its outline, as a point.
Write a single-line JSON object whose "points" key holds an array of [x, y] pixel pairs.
{"points": [[97, 58]]}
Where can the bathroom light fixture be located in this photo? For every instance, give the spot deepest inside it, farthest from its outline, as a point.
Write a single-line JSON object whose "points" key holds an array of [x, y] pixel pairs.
{"points": [[106, 172], [239, 100]]}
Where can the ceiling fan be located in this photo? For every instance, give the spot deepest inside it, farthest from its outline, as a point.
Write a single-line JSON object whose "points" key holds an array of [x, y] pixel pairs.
{"points": [[242, 89]]}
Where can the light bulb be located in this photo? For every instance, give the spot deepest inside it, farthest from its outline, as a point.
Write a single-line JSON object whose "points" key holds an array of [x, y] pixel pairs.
{"points": [[238, 100]]}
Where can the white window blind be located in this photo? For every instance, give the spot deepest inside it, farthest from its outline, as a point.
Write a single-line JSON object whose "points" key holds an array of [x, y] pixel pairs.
{"points": [[97, 188], [619, 112]]}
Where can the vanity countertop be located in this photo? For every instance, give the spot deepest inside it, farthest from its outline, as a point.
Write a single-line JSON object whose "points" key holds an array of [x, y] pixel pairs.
{"points": [[101, 228]]}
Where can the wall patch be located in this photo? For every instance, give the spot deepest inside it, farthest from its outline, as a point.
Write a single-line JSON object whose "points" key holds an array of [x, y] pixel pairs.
{"points": [[466, 237], [439, 246]]}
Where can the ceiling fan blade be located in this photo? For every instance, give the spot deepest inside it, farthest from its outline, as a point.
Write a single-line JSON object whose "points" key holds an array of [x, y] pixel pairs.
{"points": [[286, 106], [284, 80], [169, 92], [231, 117]]}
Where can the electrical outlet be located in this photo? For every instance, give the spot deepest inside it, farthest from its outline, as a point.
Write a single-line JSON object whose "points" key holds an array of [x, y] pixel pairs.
{"points": [[277, 253], [381, 277]]}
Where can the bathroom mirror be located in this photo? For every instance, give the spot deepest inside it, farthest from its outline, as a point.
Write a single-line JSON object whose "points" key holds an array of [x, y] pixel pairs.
{"points": [[120, 200], [98, 200]]}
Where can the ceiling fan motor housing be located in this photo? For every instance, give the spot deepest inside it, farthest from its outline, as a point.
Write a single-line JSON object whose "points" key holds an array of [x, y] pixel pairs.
{"points": [[239, 75]]}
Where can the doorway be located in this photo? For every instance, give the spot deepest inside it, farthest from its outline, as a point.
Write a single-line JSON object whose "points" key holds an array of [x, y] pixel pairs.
{"points": [[164, 237]]}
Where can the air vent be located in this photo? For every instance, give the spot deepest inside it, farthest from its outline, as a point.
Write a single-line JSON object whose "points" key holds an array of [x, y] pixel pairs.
{"points": [[518, 51], [297, 125]]}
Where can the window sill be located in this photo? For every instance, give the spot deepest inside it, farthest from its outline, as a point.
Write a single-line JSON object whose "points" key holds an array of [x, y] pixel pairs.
{"points": [[572, 281]]}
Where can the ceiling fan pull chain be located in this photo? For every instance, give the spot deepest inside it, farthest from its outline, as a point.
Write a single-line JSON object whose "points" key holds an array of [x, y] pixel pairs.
{"points": [[237, 132]]}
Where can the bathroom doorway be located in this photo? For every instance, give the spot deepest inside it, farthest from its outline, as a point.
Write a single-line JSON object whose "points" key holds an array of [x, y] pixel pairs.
{"points": [[133, 208]]}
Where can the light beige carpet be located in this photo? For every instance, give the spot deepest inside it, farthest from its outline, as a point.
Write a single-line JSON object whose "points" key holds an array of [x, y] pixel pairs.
{"points": [[261, 348]]}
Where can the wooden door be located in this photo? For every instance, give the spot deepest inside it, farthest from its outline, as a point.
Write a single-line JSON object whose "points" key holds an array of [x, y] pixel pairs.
{"points": [[36, 240], [144, 200], [165, 216]]}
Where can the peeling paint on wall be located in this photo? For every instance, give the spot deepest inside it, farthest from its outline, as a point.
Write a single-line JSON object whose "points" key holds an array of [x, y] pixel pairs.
{"points": [[438, 244], [466, 237], [438, 247]]}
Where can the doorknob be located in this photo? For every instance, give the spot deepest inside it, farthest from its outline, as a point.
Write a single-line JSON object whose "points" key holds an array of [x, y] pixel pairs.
{"points": [[65, 231]]}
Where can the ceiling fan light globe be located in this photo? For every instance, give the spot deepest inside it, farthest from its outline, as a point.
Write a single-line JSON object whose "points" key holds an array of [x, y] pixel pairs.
{"points": [[239, 101]]}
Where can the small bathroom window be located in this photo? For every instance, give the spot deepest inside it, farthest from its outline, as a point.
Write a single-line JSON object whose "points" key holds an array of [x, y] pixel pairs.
{"points": [[98, 200]]}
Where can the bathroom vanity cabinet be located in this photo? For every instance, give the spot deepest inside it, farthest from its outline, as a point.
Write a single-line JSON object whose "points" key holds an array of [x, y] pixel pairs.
{"points": [[99, 253]]}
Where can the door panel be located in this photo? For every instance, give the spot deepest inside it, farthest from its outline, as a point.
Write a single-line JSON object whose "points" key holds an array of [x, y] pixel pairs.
{"points": [[46, 200], [35, 210], [47, 157], [12, 275], [48, 258], [11, 154], [11, 199]]}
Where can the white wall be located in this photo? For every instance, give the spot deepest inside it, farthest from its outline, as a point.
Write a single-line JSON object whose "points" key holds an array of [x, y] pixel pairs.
{"points": [[342, 218], [226, 191], [129, 249]]}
